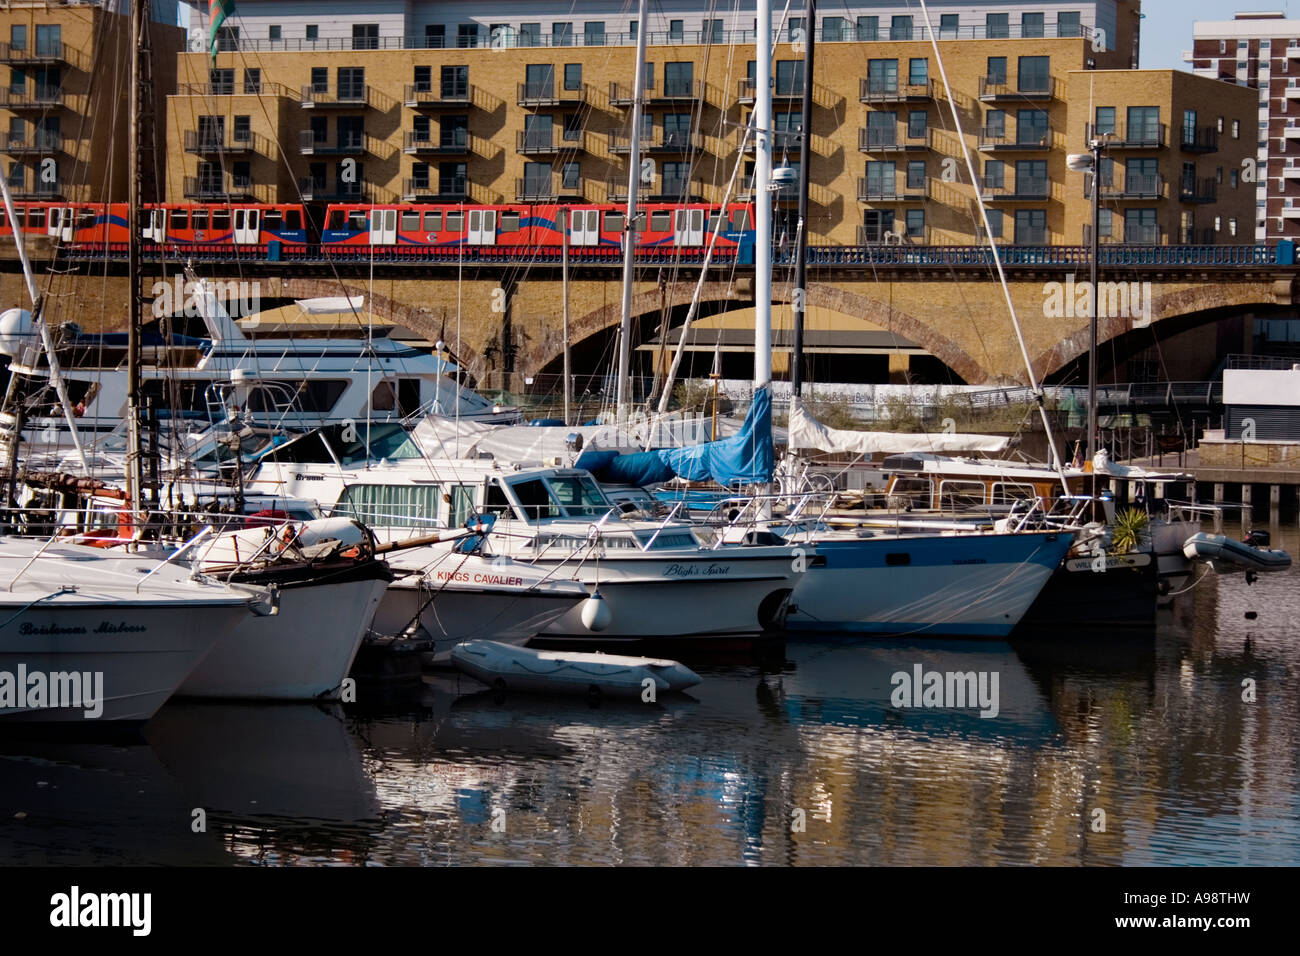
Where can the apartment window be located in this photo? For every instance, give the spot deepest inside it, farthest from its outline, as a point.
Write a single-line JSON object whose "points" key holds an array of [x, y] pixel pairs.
{"points": [[537, 179], [273, 32], [876, 223], [994, 174], [916, 123], [1034, 74], [900, 28], [916, 174], [916, 223], [713, 31], [676, 31], [572, 128], [648, 79], [212, 131], [351, 132], [948, 25], [312, 32], [1031, 227], [537, 131], [17, 130], [1067, 24], [679, 79], [453, 131], [918, 71], [1143, 124], [1223, 47], [420, 175], [593, 33], [996, 70], [467, 34], [454, 81], [18, 36], [880, 180], [789, 77], [882, 76], [1031, 128], [794, 29], [1031, 25], [561, 34], [243, 130], [422, 80], [1218, 175], [252, 81], [451, 180], [1236, 128], [320, 130], [1105, 120], [241, 175], [833, 28], [570, 175], [530, 34], [17, 82], [435, 36], [320, 79], [422, 129], [1140, 226], [1105, 223], [1031, 178], [1189, 126], [1232, 225], [995, 124], [1232, 178], [49, 39], [868, 28], [573, 76], [365, 36], [1107, 171], [631, 30], [223, 82], [882, 128], [995, 223], [352, 82], [997, 26]]}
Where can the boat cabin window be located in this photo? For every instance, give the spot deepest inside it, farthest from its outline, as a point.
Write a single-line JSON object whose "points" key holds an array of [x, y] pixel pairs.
{"points": [[390, 506], [495, 502], [1008, 492], [958, 495], [578, 496], [535, 500], [919, 490]]}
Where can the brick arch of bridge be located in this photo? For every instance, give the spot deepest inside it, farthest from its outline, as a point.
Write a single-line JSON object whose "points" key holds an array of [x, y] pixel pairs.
{"points": [[391, 311], [546, 349], [1207, 299]]}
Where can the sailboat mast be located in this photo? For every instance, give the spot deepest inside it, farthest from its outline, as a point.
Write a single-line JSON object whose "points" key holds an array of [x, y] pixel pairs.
{"points": [[629, 222], [135, 159], [763, 198], [801, 252]]}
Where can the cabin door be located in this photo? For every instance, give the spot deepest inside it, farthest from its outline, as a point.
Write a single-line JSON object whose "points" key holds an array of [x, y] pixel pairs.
{"points": [[383, 227], [689, 227], [482, 227], [248, 224]]}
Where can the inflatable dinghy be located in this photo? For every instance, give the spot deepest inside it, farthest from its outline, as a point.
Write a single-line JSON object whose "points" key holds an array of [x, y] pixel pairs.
{"points": [[1226, 555], [506, 667]]}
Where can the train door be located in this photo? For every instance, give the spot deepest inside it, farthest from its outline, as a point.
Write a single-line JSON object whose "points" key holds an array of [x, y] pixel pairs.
{"points": [[155, 225], [248, 227], [584, 227], [59, 225], [688, 228], [383, 227], [482, 227]]}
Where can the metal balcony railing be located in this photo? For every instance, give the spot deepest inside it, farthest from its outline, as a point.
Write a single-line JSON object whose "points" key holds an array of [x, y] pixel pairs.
{"points": [[430, 95]]}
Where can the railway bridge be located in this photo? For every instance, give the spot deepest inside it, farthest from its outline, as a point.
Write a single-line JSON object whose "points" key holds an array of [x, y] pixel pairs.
{"points": [[874, 313]]}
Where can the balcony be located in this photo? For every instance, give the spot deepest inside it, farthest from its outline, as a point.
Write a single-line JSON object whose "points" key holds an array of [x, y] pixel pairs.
{"points": [[677, 91], [1007, 139], [783, 141], [783, 92], [1291, 209], [550, 142], [39, 192], [1122, 186], [310, 145], [1017, 189], [891, 91], [45, 53], [665, 189], [345, 98], [1143, 235], [225, 188], [1202, 139], [1198, 190], [886, 140], [548, 93], [36, 143], [549, 190], [453, 142], [622, 95], [997, 88], [263, 90], [319, 191], [426, 97], [659, 142], [1291, 170], [891, 189], [452, 189], [31, 98], [1293, 50], [205, 143], [872, 236], [1121, 136]]}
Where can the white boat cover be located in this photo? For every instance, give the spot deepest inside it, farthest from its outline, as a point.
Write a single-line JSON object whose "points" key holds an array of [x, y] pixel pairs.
{"points": [[330, 305], [807, 432]]}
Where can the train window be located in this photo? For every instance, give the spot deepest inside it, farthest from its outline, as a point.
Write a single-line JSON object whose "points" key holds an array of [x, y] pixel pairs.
{"points": [[85, 218], [199, 219], [293, 220], [179, 219], [337, 219], [35, 218], [433, 222], [357, 222], [639, 223], [410, 221], [660, 221], [273, 220], [714, 220], [220, 220], [614, 222], [455, 221], [740, 220], [509, 222]]}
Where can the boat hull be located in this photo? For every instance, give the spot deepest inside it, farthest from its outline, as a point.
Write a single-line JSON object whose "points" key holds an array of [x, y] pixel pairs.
{"points": [[963, 585], [1081, 595]]}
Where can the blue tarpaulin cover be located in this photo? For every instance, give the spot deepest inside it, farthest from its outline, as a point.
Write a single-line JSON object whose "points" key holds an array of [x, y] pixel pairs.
{"points": [[746, 457]]}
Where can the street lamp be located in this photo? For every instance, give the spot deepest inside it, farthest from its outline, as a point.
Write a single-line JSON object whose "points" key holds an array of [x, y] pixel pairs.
{"points": [[1091, 162]]}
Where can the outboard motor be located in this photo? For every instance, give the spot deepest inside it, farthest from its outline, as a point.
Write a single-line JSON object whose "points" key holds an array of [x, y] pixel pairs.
{"points": [[1258, 539]]}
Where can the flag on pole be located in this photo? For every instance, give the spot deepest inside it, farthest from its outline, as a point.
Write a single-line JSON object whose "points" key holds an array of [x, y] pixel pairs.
{"points": [[219, 11]]}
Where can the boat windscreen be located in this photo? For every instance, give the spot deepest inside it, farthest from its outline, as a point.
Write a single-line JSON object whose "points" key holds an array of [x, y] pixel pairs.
{"points": [[579, 496]]}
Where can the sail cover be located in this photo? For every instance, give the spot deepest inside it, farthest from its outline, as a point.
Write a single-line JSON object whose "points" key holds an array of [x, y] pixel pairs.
{"points": [[744, 458], [807, 432]]}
